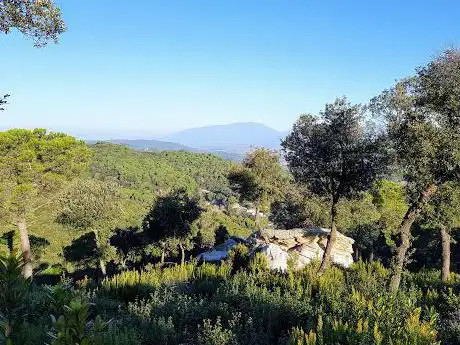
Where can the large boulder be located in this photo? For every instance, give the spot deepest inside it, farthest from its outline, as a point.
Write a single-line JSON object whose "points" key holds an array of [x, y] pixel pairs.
{"points": [[277, 258], [309, 244], [305, 245]]}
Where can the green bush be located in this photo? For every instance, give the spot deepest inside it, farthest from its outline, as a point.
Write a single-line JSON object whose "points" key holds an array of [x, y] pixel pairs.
{"points": [[216, 304]]}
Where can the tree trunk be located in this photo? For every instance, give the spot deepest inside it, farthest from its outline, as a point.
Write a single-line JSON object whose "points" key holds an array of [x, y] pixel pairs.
{"points": [[102, 265], [445, 240], [257, 218], [331, 239], [162, 259], [406, 236], [25, 246], [371, 255], [182, 253]]}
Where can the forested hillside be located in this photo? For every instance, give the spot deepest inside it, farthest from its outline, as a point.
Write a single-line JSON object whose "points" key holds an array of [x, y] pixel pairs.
{"points": [[140, 171], [140, 177], [208, 170]]}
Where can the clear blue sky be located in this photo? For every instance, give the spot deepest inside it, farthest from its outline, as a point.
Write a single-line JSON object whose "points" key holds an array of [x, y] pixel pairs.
{"points": [[128, 68]]}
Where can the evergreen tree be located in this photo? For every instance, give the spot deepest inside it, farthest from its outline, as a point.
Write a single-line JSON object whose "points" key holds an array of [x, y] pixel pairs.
{"points": [[34, 164], [96, 206], [422, 116], [260, 180], [170, 220], [335, 157]]}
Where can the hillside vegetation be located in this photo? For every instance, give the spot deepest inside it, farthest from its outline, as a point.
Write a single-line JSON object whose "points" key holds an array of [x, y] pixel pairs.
{"points": [[100, 243]]}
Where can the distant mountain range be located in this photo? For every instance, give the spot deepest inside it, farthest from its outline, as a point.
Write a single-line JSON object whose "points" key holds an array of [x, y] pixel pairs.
{"points": [[227, 141], [236, 137]]}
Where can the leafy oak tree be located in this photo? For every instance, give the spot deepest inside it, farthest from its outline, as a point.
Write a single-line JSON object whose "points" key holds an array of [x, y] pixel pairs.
{"points": [[443, 213], [422, 117], [96, 206], [40, 20], [34, 164], [260, 180], [169, 222], [335, 157]]}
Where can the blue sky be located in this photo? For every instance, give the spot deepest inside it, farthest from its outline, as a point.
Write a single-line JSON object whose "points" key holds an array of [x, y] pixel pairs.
{"points": [[146, 68]]}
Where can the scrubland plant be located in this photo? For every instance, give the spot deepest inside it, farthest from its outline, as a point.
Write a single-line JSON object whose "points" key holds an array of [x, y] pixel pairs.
{"points": [[14, 291], [214, 304]]}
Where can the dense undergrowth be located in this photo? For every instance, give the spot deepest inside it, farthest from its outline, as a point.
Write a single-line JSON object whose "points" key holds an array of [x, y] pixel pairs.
{"points": [[209, 304]]}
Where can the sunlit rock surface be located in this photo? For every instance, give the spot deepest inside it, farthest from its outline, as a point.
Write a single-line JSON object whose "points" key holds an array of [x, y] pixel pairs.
{"points": [[308, 244], [303, 245]]}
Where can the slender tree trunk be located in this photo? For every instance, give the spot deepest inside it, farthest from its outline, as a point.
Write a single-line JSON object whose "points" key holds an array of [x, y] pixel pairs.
{"points": [[356, 254], [102, 265], [182, 254], [257, 218], [331, 239], [371, 255], [406, 236], [25, 246], [445, 240], [162, 259]]}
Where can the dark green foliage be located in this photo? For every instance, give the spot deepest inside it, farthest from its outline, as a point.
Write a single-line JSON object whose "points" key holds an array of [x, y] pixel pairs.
{"points": [[438, 88], [422, 114], [261, 178], [39, 19], [204, 304], [332, 153], [145, 174], [239, 257], [444, 208], [172, 216], [208, 170], [82, 251], [222, 235], [335, 156], [14, 292], [170, 221], [38, 245], [34, 164], [89, 204], [288, 214], [212, 219]]}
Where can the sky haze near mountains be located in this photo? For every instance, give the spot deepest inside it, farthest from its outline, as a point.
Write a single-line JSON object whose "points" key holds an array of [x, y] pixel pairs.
{"points": [[153, 68], [230, 141]]}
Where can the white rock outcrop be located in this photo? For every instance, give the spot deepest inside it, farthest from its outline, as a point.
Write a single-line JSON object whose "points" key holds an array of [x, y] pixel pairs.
{"points": [[305, 245], [309, 244], [277, 258]]}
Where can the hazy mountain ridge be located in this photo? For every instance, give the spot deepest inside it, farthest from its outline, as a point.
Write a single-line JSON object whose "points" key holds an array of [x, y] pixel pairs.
{"points": [[147, 144], [227, 141], [235, 137]]}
